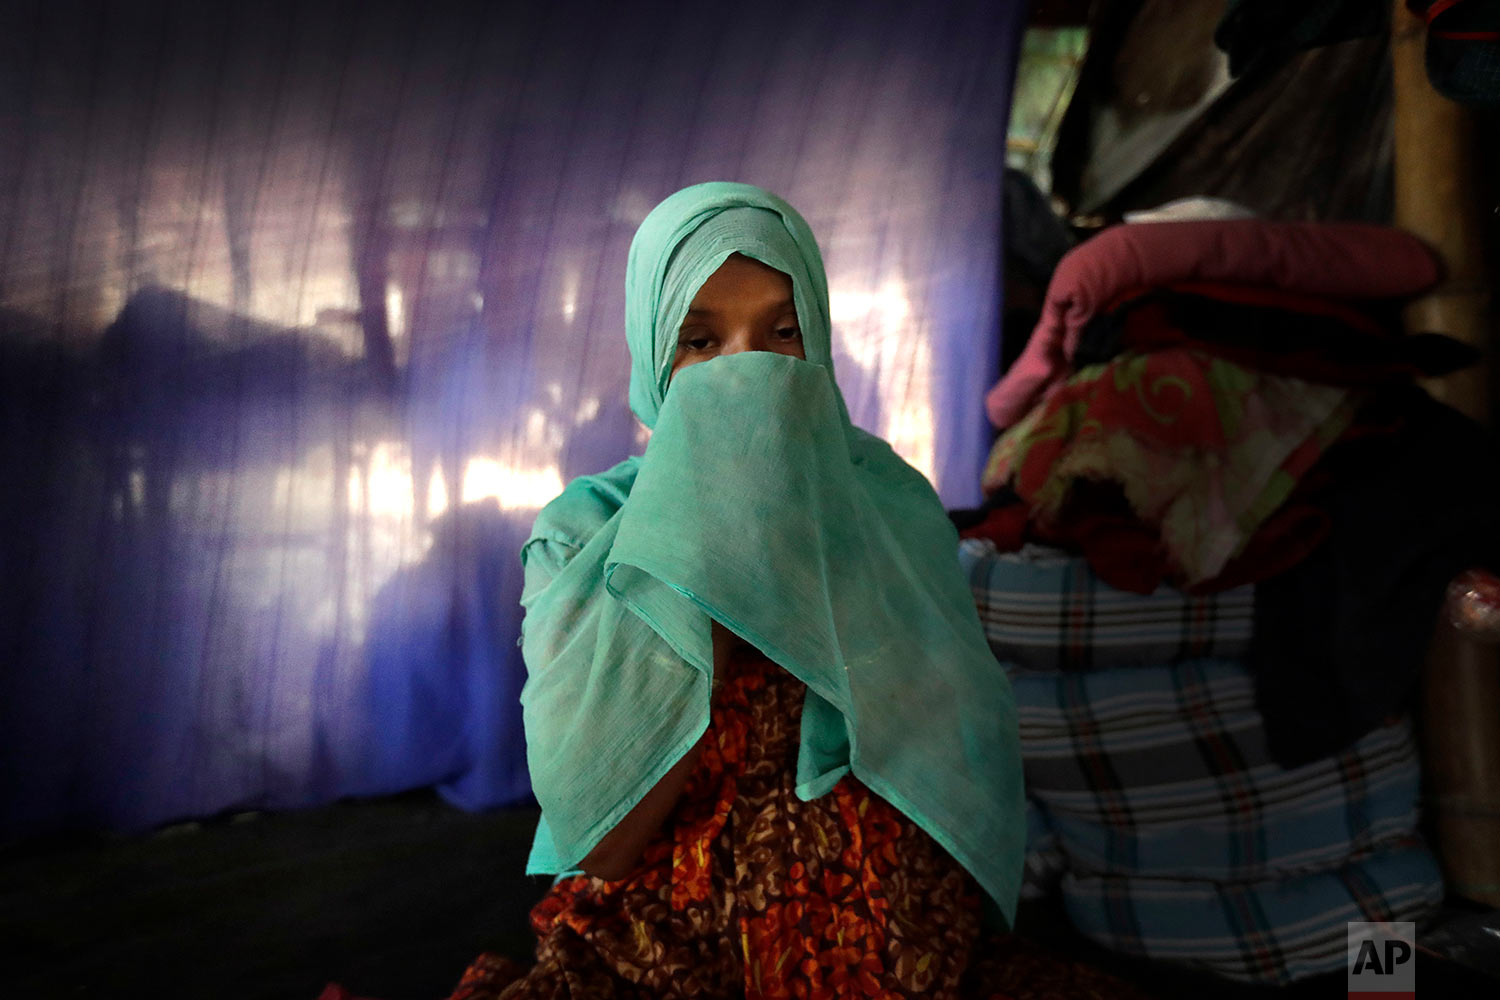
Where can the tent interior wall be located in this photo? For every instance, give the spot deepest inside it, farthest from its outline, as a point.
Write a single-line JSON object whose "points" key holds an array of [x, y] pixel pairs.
{"points": [[307, 307]]}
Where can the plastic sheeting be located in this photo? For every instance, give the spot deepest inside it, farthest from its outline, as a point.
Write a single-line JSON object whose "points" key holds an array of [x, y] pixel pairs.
{"points": [[305, 309], [1155, 117]]}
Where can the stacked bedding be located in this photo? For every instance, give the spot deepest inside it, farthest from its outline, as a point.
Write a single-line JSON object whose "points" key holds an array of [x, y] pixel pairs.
{"points": [[1217, 403], [1156, 809], [1250, 510]]}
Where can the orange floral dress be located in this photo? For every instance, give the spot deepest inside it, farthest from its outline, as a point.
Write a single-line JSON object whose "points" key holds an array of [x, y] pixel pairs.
{"points": [[750, 891]]}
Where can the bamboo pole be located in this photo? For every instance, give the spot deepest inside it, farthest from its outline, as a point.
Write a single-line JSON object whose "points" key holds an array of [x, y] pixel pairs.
{"points": [[1435, 189]]}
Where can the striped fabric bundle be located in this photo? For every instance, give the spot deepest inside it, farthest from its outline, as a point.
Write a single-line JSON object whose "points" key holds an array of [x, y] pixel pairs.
{"points": [[1044, 610], [1156, 809], [1162, 772], [1269, 932]]}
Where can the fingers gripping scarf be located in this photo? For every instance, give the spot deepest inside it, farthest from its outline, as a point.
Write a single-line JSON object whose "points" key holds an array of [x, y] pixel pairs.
{"points": [[757, 504]]}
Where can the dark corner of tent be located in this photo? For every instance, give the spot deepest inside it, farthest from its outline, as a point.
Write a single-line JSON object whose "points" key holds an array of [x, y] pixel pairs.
{"points": [[1186, 310]]}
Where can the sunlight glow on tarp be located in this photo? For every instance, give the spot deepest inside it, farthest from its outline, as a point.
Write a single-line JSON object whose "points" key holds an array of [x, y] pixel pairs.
{"points": [[873, 327], [306, 309], [516, 489]]}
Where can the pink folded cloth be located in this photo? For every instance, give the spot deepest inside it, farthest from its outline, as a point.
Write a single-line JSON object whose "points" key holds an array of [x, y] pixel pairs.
{"points": [[1340, 260], [333, 991]]}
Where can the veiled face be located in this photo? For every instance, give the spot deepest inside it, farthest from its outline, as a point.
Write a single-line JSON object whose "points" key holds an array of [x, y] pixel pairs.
{"points": [[743, 306]]}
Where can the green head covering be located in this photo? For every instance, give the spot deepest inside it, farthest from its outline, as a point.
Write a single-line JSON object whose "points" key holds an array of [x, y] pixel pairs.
{"points": [[681, 243], [759, 506]]}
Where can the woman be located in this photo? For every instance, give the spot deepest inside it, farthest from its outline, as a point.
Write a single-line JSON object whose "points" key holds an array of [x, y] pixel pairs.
{"points": [[761, 716]]}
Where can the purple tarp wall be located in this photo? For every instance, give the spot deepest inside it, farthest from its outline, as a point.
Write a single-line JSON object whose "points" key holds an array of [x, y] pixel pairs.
{"points": [[305, 309]]}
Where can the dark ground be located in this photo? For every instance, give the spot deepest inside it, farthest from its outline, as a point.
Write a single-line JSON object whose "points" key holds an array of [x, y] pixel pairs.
{"points": [[391, 897]]}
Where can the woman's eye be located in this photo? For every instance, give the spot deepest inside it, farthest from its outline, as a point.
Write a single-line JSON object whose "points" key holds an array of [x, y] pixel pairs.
{"points": [[789, 333], [694, 342]]}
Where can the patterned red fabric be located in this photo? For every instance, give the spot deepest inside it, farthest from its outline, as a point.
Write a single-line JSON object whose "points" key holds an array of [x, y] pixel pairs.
{"points": [[752, 892], [1201, 451]]}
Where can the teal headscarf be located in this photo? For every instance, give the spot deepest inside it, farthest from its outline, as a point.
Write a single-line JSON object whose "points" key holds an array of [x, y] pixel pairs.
{"points": [[758, 505], [681, 243]]}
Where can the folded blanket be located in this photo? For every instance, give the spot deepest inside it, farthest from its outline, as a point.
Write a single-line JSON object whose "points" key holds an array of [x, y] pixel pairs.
{"points": [[1202, 450], [1336, 260], [1352, 349]]}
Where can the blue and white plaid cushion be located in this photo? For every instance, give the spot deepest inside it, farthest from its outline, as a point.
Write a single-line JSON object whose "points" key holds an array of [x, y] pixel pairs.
{"points": [[1155, 808], [1046, 610]]}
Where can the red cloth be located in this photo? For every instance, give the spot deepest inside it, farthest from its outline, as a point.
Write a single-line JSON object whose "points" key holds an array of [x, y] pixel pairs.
{"points": [[1149, 327], [1199, 452], [1127, 553], [1006, 526], [1348, 313], [1330, 260], [333, 991]]}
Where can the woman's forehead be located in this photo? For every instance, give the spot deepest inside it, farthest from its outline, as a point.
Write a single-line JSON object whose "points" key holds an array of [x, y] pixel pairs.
{"points": [[742, 280]]}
